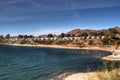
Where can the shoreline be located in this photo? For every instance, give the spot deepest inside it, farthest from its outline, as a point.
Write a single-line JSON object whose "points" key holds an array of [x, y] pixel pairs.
{"points": [[81, 76], [112, 58], [110, 49]]}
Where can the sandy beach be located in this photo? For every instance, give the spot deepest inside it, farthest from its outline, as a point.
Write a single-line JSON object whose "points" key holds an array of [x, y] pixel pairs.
{"points": [[66, 47], [112, 58], [81, 76]]}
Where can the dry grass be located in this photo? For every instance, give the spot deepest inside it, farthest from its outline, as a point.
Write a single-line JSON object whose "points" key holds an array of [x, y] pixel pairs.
{"points": [[105, 75]]}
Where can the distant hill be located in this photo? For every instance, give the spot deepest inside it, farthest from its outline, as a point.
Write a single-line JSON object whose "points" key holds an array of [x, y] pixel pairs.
{"points": [[78, 32]]}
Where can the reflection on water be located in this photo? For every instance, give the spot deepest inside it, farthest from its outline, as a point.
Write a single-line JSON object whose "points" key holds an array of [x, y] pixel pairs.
{"points": [[32, 63]]}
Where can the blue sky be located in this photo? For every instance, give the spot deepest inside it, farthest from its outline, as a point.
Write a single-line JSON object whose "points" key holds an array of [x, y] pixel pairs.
{"points": [[56, 16]]}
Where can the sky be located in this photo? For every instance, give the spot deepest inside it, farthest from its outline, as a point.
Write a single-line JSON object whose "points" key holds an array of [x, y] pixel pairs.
{"points": [[38, 17]]}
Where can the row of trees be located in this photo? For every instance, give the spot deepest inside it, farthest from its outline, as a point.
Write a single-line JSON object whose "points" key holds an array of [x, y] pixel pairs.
{"points": [[85, 34], [51, 35], [112, 32], [25, 36], [19, 36], [6, 36]]}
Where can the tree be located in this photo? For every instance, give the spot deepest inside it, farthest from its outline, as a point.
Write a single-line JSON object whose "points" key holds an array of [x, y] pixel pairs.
{"points": [[1, 36], [30, 36], [105, 41], [67, 35], [114, 37], [20, 36], [49, 35], [90, 42], [25, 36], [73, 35], [112, 31], [7, 36], [84, 34], [118, 42], [62, 35], [101, 34], [94, 34], [79, 36]]}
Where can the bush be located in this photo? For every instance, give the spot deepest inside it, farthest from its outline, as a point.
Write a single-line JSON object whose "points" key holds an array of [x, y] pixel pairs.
{"points": [[105, 41], [118, 42], [90, 42], [105, 75]]}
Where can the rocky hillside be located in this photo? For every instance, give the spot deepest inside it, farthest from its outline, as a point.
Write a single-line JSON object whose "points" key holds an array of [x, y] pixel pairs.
{"points": [[78, 32]]}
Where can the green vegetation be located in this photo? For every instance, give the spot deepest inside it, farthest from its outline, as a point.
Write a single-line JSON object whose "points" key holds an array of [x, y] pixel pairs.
{"points": [[67, 35], [73, 35], [84, 34], [62, 35], [112, 31], [94, 34], [7, 36], [118, 42], [90, 42], [105, 41], [1, 37], [20, 36], [49, 35], [101, 34]]}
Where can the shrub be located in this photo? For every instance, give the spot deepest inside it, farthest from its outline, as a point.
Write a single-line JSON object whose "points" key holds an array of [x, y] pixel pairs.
{"points": [[118, 42], [105, 41], [90, 42]]}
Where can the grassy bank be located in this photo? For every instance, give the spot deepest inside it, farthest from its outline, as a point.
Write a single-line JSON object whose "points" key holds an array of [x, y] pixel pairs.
{"points": [[109, 71]]}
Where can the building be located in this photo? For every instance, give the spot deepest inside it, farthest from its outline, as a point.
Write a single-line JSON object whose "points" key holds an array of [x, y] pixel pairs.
{"points": [[98, 37], [92, 37], [103, 37], [88, 37]]}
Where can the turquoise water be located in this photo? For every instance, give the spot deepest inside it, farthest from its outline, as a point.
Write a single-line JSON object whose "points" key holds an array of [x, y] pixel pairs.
{"points": [[33, 63]]}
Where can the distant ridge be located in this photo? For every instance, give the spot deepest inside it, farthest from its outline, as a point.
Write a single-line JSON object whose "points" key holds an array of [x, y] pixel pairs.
{"points": [[89, 31]]}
